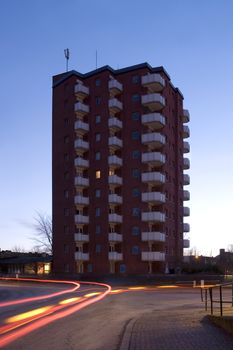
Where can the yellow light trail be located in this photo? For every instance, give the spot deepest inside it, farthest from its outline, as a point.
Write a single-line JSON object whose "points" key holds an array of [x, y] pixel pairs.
{"points": [[67, 301], [137, 288], [91, 294], [28, 314]]}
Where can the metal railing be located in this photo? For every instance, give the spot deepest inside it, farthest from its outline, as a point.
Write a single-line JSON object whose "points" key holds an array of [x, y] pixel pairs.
{"points": [[217, 297]]}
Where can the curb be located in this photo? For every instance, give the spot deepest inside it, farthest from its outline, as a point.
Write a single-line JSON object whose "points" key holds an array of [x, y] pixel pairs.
{"points": [[125, 342]]}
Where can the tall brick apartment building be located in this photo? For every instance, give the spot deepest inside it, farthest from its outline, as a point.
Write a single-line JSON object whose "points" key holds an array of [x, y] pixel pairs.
{"points": [[119, 139]]}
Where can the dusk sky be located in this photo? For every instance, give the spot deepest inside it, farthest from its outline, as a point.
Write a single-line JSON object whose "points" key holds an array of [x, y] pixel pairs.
{"points": [[192, 40]]}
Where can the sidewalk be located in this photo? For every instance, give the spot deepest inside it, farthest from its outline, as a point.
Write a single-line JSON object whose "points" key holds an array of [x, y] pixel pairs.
{"points": [[175, 330]]}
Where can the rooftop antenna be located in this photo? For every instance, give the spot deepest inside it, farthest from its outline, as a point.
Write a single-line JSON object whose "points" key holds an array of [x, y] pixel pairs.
{"points": [[67, 56], [96, 59]]}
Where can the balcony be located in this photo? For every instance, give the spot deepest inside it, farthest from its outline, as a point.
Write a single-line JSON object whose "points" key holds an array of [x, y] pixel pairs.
{"points": [[114, 180], [186, 179], [80, 256], [81, 91], [153, 197], [155, 139], [153, 237], [114, 142], [81, 127], [115, 218], [81, 109], [80, 181], [186, 147], [153, 216], [115, 87], [114, 105], [154, 158], [186, 164], [114, 124], [81, 200], [81, 219], [80, 237], [153, 177], [154, 82], [115, 256], [186, 211], [114, 237], [186, 116], [114, 198], [155, 102], [114, 161], [81, 145], [81, 163], [186, 243], [153, 120], [153, 256], [186, 195], [186, 132], [186, 227]]}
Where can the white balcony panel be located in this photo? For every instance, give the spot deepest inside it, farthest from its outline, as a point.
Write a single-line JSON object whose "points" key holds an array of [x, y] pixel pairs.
{"points": [[115, 86], [115, 256], [186, 116], [155, 102], [115, 161], [186, 132], [81, 90], [80, 144], [81, 181], [153, 256], [81, 219], [186, 163], [114, 198], [115, 180], [81, 162], [186, 195], [114, 105], [114, 123], [153, 216], [186, 147], [154, 82], [186, 227], [81, 200], [81, 108], [115, 218], [114, 142], [154, 138], [186, 179], [153, 177], [186, 243], [153, 120], [153, 236], [80, 256], [186, 211], [155, 158], [80, 237], [114, 237], [81, 127], [153, 197]]}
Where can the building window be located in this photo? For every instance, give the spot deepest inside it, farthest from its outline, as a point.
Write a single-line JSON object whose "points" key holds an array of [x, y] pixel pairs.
{"points": [[66, 267], [97, 193], [89, 268], [66, 175], [98, 100], [135, 98], [97, 119], [97, 156], [135, 116], [97, 137], [66, 157], [136, 192], [135, 250], [66, 212], [66, 194], [136, 173], [66, 121], [97, 174], [97, 82], [136, 154], [135, 135], [98, 248], [122, 268], [66, 248], [135, 231], [97, 211], [66, 229], [136, 212], [66, 139], [135, 79], [97, 229]]}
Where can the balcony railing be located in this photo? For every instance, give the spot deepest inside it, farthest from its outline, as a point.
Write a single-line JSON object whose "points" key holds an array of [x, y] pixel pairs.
{"points": [[153, 177], [81, 127], [154, 120], [115, 256], [186, 243], [115, 87], [186, 179], [82, 145], [186, 211], [115, 180], [115, 105], [155, 102], [153, 256], [80, 237], [186, 227], [115, 161], [81, 90], [153, 236], [114, 142], [154, 82], [186, 195], [114, 237], [114, 123], [81, 108], [153, 197], [154, 139], [81, 162], [115, 218], [155, 158], [186, 164], [81, 219], [81, 200], [114, 198], [186, 116], [153, 216], [186, 132], [81, 181], [80, 256], [186, 147]]}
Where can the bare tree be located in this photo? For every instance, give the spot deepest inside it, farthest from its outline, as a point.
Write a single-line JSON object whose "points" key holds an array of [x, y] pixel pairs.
{"points": [[230, 248], [43, 237], [17, 249]]}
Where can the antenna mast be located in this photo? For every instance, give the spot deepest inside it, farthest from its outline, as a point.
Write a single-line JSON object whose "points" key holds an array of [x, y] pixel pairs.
{"points": [[67, 56]]}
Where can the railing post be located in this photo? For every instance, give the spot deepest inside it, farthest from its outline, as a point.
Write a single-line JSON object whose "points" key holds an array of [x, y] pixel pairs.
{"points": [[202, 294], [220, 292], [205, 299], [211, 300]]}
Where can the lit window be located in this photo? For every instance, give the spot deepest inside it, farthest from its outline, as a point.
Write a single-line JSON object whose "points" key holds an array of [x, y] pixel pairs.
{"points": [[97, 119], [111, 172], [97, 156], [97, 174]]}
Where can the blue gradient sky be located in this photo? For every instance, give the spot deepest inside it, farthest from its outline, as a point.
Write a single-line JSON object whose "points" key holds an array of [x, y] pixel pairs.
{"points": [[191, 39]]}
